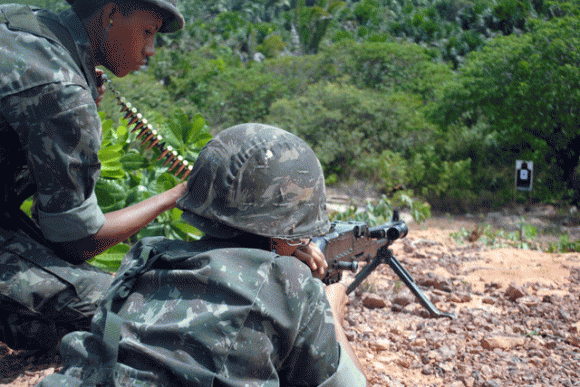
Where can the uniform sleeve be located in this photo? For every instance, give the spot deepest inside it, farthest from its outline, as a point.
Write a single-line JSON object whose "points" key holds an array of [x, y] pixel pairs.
{"points": [[60, 131], [314, 352], [316, 358]]}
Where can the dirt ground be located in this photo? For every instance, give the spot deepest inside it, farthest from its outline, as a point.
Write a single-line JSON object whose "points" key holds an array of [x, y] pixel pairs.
{"points": [[516, 318]]}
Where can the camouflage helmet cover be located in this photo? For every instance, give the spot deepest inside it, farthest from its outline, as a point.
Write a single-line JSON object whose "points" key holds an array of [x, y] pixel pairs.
{"points": [[258, 179], [172, 18]]}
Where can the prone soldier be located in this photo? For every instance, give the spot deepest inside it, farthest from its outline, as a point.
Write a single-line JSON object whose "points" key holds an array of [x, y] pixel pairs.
{"points": [[236, 307]]}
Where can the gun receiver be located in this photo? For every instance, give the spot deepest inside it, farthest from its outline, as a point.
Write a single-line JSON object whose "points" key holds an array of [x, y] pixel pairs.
{"points": [[349, 243]]}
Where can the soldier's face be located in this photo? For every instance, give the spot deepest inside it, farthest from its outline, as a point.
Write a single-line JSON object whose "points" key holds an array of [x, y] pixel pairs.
{"points": [[130, 41]]}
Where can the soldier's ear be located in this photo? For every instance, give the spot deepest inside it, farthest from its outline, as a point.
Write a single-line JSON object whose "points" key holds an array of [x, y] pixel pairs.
{"points": [[110, 12]]}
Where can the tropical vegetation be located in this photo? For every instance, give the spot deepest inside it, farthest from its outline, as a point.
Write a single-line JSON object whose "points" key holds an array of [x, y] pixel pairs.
{"points": [[429, 99]]}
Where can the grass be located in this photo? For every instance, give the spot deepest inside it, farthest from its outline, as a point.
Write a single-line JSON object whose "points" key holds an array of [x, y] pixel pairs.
{"points": [[525, 237]]}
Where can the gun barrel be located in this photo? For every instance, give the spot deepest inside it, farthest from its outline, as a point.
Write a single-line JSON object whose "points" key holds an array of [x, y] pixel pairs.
{"points": [[391, 231], [398, 230]]}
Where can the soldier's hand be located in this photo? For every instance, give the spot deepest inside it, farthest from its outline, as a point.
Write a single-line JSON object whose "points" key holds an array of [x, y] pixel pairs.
{"points": [[314, 258], [101, 89]]}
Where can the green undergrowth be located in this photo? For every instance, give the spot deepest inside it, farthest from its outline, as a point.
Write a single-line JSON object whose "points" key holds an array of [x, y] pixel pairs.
{"points": [[525, 237]]}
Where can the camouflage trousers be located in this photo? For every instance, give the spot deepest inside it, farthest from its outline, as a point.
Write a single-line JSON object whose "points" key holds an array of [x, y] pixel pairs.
{"points": [[43, 297]]}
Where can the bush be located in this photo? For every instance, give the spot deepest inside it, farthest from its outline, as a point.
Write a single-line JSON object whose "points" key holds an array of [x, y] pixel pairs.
{"points": [[389, 66], [344, 124], [245, 95], [525, 90]]}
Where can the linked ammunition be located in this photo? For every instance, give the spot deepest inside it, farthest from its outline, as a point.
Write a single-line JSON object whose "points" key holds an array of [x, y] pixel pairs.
{"points": [[151, 137]]}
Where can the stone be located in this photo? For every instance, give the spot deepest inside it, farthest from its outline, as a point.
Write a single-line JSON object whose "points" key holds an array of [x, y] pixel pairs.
{"points": [[403, 298], [373, 301], [380, 345], [514, 292], [502, 342]]}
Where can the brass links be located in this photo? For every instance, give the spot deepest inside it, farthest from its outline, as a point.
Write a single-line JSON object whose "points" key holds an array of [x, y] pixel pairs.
{"points": [[151, 138]]}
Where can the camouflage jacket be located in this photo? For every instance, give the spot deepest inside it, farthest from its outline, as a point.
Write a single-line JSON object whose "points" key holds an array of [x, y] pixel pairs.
{"points": [[50, 129], [209, 314]]}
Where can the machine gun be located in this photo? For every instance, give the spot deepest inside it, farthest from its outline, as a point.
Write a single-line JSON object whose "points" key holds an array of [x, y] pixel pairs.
{"points": [[348, 243]]}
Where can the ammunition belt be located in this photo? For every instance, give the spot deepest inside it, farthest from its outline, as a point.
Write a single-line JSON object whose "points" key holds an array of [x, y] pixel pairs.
{"points": [[150, 137]]}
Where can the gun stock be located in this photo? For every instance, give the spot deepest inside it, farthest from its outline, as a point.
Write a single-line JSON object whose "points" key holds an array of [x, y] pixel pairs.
{"points": [[349, 243]]}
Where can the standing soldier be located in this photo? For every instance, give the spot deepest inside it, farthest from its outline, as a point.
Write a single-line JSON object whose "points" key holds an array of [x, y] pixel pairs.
{"points": [[51, 135]]}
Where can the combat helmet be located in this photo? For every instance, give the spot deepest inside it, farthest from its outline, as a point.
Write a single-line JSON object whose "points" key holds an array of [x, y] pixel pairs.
{"points": [[172, 17], [257, 179]]}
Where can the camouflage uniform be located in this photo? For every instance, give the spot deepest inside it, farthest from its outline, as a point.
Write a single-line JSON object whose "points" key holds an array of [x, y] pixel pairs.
{"points": [[222, 311], [51, 134], [205, 314]]}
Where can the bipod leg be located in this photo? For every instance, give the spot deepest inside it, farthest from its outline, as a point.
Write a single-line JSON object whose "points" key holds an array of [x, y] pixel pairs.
{"points": [[368, 269], [408, 280]]}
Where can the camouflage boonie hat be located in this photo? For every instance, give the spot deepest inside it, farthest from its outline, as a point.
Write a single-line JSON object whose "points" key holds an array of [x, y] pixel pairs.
{"points": [[257, 179], [172, 17]]}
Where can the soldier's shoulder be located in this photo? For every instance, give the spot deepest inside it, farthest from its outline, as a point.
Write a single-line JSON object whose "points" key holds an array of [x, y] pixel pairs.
{"points": [[28, 59]]}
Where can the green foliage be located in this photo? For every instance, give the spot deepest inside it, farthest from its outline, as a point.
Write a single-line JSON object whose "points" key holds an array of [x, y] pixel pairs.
{"points": [[246, 96], [191, 85], [382, 210], [130, 176], [527, 91], [494, 238], [53, 5], [272, 46], [145, 92], [186, 136], [434, 97], [312, 22], [327, 113], [111, 259], [389, 67], [564, 245], [299, 72]]}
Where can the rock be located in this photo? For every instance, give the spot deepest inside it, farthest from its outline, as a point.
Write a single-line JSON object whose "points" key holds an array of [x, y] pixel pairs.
{"points": [[380, 345], [403, 362], [492, 383], [564, 316], [514, 292], [529, 301], [419, 343], [427, 370], [502, 342], [404, 298], [350, 335], [468, 381], [452, 297], [373, 301], [435, 281], [574, 340]]}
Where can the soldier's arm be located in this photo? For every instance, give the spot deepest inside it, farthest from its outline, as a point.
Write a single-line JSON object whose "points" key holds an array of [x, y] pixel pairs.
{"points": [[122, 224], [337, 298], [61, 144]]}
